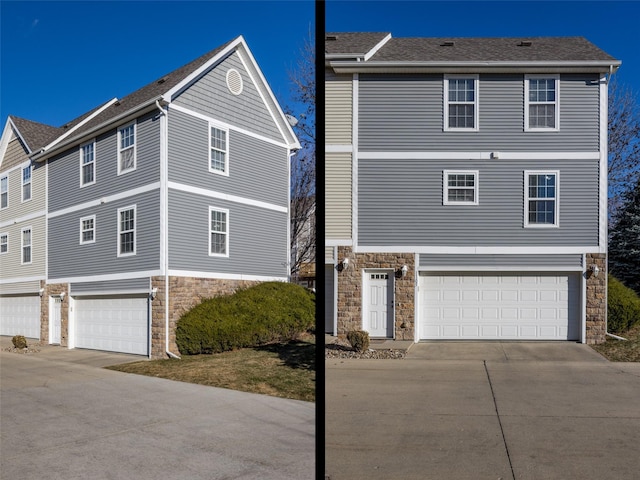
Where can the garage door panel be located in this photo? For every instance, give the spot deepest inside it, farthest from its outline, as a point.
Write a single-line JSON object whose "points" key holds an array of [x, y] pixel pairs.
{"points": [[116, 324], [20, 315], [495, 306]]}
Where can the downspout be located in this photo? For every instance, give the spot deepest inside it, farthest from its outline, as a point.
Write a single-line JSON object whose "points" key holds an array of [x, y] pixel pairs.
{"points": [[163, 199]]}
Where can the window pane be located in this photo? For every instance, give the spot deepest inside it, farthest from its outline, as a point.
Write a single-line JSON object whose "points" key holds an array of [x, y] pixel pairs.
{"points": [[126, 242], [218, 243], [127, 138], [461, 116], [218, 160], [26, 191], [87, 173], [126, 159], [542, 116]]}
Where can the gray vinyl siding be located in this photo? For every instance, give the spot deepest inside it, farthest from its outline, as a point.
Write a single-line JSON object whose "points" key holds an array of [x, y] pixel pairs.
{"points": [[400, 203], [257, 237], [114, 286], [64, 169], [67, 258], [467, 261], [210, 96], [257, 169], [405, 113]]}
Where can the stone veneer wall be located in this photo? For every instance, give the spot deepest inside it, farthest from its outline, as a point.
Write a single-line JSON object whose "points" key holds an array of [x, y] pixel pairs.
{"points": [[49, 290], [350, 290], [184, 294], [596, 299]]}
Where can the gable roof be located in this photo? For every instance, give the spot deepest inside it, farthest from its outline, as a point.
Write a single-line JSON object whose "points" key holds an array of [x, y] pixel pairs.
{"points": [[159, 92], [561, 53]]}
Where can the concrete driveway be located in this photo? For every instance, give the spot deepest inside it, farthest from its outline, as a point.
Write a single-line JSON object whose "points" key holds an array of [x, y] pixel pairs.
{"points": [[483, 410], [63, 417]]}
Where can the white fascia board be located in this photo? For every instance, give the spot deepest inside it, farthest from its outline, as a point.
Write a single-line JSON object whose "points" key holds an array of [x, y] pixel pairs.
{"points": [[350, 66], [502, 156], [105, 278], [377, 47], [80, 124], [227, 276], [124, 117], [478, 250], [7, 135]]}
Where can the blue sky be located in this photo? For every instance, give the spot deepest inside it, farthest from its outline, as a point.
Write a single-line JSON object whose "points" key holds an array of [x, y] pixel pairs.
{"points": [[59, 60], [611, 25]]}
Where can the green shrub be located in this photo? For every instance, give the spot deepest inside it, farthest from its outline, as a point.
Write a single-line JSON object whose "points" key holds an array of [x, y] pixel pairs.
{"points": [[265, 313], [623, 307], [359, 340], [19, 341]]}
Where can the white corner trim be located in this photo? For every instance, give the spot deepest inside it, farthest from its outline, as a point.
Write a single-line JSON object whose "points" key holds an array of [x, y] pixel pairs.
{"points": [[355, 119], [604, 156], [225, 196]]}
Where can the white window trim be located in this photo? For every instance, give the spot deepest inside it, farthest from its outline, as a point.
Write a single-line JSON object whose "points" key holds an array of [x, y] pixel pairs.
{"points": [[6, 177], [5, 234], [445, 186], [556, 213], [23, 183], [226, 212], [22, 246], [476, 103], [93, 163], [135, 147], [135, 226], [225, 129], [86, 242], [556, 77]]}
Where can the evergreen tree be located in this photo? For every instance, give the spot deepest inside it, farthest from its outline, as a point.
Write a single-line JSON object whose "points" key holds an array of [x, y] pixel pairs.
{"points": [[624, 243]]}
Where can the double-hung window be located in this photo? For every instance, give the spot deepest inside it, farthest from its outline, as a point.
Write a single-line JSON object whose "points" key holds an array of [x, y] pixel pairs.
{"points": [[26, 246], [88, 164], [26, 183], [461, 102], [4, 192], [218, 232], [541, 108], [88, 230], [218, 150], [460, 187], [127, 231], [127, 148], [541, 199], [4, 243]]}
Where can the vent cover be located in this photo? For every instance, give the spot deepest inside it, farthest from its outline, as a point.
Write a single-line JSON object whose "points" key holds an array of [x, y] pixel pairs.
{"points": [[234, 81]]}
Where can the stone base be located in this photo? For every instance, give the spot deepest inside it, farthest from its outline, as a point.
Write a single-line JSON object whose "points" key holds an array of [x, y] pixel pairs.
{"points": [[596, 299]]}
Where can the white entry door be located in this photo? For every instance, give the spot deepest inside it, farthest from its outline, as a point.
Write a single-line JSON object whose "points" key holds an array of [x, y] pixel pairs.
{"points": [[378, 304], [55, 308]]}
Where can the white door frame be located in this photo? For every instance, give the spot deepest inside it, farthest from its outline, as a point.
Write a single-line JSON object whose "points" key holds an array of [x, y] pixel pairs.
{"points": [[55, 302], [391, 312]]}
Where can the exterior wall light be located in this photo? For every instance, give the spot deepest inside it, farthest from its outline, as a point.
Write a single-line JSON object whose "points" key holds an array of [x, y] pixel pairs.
{"points": [[404, 270], [154, 293], [594, 270], [62, 295], [345, 264]]}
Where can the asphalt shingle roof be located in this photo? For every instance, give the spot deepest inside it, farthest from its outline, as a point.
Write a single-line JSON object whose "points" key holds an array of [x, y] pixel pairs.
{"points": [[35, 134], [460, 49], [352, 42]]}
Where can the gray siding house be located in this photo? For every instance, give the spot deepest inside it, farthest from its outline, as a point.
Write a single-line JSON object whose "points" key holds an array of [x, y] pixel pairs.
{"points": [[470, 189], [174, 193]]}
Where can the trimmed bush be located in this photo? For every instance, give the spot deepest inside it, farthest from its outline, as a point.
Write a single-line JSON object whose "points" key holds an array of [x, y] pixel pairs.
{"points": [[623, 307], [359, 340], [265, 313], [19, 341]]}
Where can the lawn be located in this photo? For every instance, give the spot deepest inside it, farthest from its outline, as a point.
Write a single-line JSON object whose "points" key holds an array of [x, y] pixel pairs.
{"points": [[621, 351], [285, 370]]}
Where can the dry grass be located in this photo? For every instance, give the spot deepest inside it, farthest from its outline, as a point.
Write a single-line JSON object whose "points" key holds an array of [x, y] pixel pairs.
{"points": [[621, 351], [280, 370]]}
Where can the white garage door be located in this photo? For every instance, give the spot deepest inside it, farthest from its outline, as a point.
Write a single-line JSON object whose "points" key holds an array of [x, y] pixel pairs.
{"points": [[20, 316], [115, 324], [499, 306]]}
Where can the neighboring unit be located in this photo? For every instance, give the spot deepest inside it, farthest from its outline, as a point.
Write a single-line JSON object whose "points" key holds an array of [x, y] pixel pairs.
{"points": [[466, 187], [150, 203]]}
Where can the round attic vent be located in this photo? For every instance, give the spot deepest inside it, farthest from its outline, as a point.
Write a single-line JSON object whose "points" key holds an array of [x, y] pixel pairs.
{"points": [[234, 81]]}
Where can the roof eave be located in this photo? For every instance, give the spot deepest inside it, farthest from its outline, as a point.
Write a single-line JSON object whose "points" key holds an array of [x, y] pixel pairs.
{"points": [[124, 117], [595, 66]]}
